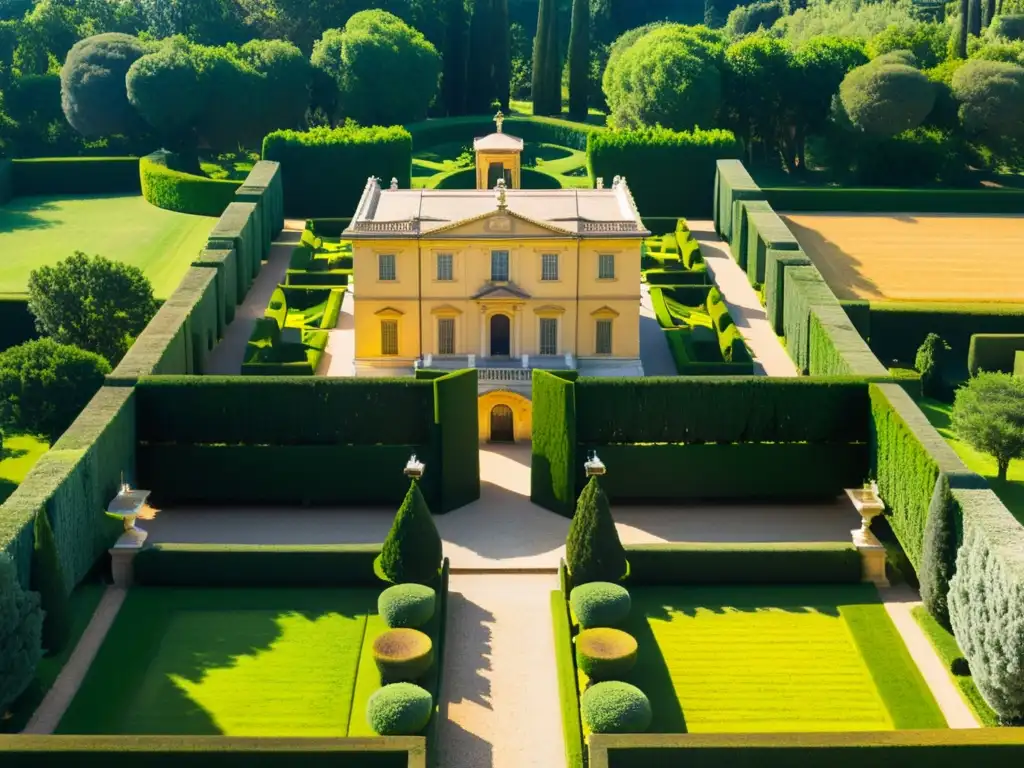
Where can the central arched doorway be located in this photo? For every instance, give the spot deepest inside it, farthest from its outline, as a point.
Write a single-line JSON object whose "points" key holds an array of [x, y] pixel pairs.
{"points": [[501, 336], [502, 424]]}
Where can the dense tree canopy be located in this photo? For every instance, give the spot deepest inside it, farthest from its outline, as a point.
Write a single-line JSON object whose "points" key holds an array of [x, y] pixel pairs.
{"points": [[93, 84], [883, 99], [374, 48], [991, 98]]}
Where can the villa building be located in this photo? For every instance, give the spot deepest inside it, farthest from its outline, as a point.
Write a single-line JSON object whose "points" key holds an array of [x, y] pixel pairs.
{"points": [[503, 280]]}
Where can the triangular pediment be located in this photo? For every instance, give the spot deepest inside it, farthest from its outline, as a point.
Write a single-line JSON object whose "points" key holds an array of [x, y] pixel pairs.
{"points": [[494, 291], [500, 224]]}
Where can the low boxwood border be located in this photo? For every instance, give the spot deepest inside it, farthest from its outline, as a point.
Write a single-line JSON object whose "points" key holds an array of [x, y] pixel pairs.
{"points": [[568, 693]]}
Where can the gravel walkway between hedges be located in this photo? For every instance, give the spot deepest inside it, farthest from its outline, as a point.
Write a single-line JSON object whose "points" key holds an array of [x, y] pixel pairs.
{"points": [[339, 356], [500, 706], [770, 357], [654, 352], [899, 601], [58, 699], [226, 358]]}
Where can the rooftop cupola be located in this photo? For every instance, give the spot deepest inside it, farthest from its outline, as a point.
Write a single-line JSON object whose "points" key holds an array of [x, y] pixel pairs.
{"points": [[498, 156]]}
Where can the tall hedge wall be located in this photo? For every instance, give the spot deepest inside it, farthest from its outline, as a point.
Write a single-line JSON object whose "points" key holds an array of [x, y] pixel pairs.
{"points": [[803, 288], [226, 283], [881, 200], [732, 183], [994, 352], [991, 747], [669, 173], [202, 752], [240, 229], [175, 190], [456, 416], [765, 230], [720, 410], [265, 187], [74, 481], [325, 170], [75, 176], [739, 245], [836, 349], [17, 323], [553, 474], [776, 264]]}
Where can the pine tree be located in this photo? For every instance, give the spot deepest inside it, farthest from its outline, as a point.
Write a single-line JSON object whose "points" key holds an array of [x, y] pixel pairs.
{"points": [[47, 579], [502, 53], [579, 60], [412, 551], [593, 550], [480, 76], [938, 557], [453, 83]]}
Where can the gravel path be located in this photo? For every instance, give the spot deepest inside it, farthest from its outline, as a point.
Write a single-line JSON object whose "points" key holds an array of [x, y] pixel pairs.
{"points": [[338, 359], [770, 357], [58, 699], [654, 352], [500, 706]]}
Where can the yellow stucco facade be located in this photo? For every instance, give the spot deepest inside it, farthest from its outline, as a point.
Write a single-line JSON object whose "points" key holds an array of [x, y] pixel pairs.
{"points": [[487, 161], [499, 407], [496, 287]]}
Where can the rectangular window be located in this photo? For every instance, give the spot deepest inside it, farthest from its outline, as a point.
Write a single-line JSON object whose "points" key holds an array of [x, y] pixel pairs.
{"points": [[446, 336], [548, 336], [549, 266], [499, 266], [604, 337], [444, 266], [606, 266], [389, 337], [386, 267]]}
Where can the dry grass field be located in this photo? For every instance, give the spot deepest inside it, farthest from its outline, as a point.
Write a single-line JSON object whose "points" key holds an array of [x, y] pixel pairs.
{"points": [[916, 257]]}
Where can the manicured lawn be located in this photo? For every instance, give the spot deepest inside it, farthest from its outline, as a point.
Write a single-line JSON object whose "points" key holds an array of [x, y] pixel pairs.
{"points": [[1011, 492], [84, 600], [945, 645], [44, 230], [774, 659], [20, 453], [227, 662]]}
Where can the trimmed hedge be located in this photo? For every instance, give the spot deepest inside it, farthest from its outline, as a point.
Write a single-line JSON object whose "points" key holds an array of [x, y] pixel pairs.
{"points": [[352, 154], [882, 200], [747, 471], [991, 747], [994, 352], [264, 187], [654, 158], [615, 707], [181, 335], [532, 129], [236, 565], [6, 181], [568, 691], [221, 752], [293, 412], [770, 563], [456, 416], [17, 323], [228, 297], [836, 349], [174, 190], [765, 230], [75, 176], [718, 410], [803, 288], [741, 210], [553, 460], [732, 183], [776, 264], [399, 708], [687, 360], [600, 604], [239, 228], [407, 605], [859, 313], [74, 481]]}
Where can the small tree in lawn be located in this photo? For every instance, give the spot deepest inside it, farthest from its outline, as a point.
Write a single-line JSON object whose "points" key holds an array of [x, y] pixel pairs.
{"points": [[91, 302], [412, 551], [593, 551], [938, 557], [930, 362], [989, 414], [21, 626], [48, 580]]}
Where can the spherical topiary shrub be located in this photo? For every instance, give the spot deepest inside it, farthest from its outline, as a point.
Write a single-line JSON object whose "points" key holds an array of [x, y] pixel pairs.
{"points": [[403, 655], [399, 709], [406, 605], [615, 708], [605, 654], [600, 604]]}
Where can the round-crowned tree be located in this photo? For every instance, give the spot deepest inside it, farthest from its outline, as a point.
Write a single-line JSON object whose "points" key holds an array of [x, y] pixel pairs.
{"points": [[165, 89], [377, 47], [989, 414], [991, 99], [670, 76], [92, 84], [283, 86], [884, 98]]}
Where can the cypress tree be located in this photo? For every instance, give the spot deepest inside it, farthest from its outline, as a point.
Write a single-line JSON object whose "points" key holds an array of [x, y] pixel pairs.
{"points": [[974, 23], [502, 53], [47, 578], [453, 83], [961, 31], [593, 550], [412, 551], [553, 72], [539, 90], [938, 555], [480, 77], [579, 60]]}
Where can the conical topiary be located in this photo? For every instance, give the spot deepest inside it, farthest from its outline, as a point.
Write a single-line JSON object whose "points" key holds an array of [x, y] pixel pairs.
{"points": [[593, 551], [47, 578], [938, 555], [412, 551]]}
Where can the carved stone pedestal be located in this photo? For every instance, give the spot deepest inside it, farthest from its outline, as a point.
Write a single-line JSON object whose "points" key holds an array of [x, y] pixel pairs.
{"points": [[872, 557], [123, 553]]}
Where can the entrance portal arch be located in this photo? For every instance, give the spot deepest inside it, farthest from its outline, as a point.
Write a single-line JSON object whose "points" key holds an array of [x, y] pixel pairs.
{"points": [[500, 409], [502, 424], [501, 336]]}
